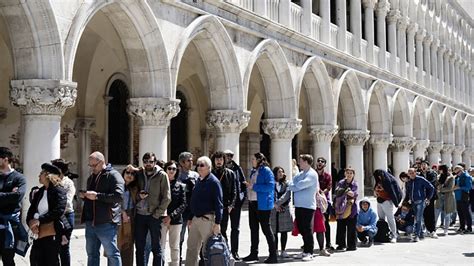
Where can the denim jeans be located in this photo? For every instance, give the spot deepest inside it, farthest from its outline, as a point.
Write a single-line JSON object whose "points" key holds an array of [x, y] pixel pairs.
{"points": [[64, 253], [419, 207], [143, 225], [105, 234]]}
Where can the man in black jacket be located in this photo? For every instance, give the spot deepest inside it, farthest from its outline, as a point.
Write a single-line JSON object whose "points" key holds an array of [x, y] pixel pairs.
{"points": [[12, 191], [429, 212], [102, 210], [229, 192]]}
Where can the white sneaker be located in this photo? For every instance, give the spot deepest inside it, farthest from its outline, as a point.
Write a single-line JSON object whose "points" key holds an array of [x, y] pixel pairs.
{"points": [[393, 240], [283, 254], [433, 235], [415, 239], [445, 232], [301, 255], [308, 257]]}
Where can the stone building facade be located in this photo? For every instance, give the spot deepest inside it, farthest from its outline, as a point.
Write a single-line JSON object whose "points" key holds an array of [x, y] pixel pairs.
{"points": [[365, 83]]}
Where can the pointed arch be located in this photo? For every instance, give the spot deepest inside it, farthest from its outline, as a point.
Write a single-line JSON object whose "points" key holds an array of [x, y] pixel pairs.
{"points": [[349, 95], [378, 110], [273, 66], [459, 132], [35, 38], [435, 123], [218, 54], [315, 78], [420, 119], [468, 125], [448, 128], [401, 116], [141, 38]]}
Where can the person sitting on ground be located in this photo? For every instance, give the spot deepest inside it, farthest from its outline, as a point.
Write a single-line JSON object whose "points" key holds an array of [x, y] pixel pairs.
{"points": [[405, 218], [366, 223]]}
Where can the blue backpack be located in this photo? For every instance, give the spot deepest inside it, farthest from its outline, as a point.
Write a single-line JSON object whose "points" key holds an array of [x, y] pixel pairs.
{"points": [[217, 253]]}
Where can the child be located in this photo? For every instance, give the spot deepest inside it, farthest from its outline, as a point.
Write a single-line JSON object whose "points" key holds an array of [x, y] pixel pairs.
{"points": [[405, 218], [366, 223]]}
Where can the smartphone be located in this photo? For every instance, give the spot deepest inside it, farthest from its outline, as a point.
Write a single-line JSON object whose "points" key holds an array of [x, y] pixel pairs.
{"points": [[82, 191]]}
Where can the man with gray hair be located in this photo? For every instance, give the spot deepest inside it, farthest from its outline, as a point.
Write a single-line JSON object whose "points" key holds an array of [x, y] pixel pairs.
{"points": [[187, 177], [102, 210], [463, 183]]}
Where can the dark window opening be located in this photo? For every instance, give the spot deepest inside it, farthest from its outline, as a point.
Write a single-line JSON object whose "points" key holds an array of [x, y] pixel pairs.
{"points": [[179, 129], [119, 124]]}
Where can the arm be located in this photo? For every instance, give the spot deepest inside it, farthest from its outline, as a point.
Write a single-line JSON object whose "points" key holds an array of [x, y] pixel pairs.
{"points": [[116, 195], [467, 184], [373, 221], [308, 181], [164, 192], [182, 204], [429, 189], [284, 198], [218, 203], [448, 187], [233, 188], [8, 199], [56, 205], [268, 184]]}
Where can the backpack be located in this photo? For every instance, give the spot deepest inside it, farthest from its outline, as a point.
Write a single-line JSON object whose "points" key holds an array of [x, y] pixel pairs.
{"points": [[217, 252], [383, 232], [321, 202]]}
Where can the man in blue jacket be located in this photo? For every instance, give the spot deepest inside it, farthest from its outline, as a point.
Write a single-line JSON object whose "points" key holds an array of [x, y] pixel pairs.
{"points": [[463, 183], [419, 192], [366, 223]]}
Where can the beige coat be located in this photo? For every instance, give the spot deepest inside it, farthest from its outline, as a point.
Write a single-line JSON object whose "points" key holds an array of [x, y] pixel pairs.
{"points": [[448, 192]]}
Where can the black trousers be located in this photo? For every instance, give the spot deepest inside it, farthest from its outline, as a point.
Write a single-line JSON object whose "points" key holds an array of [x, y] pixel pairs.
{"points": [[45, 252], [225, 222], [7, 254], [257, 217], [465, 219], [328, 226], [346, 230], [429, 216], [235, 226], [304, 217]]}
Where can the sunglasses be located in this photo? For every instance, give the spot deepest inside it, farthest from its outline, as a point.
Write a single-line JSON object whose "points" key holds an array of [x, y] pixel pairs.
{"points": [[321, 161], [148, 161], [128, 172], [171, 168], [201, 165]]}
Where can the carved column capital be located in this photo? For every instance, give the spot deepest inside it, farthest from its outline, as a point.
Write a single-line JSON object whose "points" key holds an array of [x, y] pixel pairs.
{"points": [[323, 133], [354, 137], [393, 16], [228, 121], [369, 3], [412, 28], [447, 148], [281, 128], [153, 111], [380, 140], [403, 23], [422, 144], [459, 149], [84, 123], [383, 6], [428, 40], [43, 96], [420, 35], [435, 147], [403, 144], [467, 151]]}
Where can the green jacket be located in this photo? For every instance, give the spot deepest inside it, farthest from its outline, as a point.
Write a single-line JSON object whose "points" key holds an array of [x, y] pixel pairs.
{"points": [[158, 188]]}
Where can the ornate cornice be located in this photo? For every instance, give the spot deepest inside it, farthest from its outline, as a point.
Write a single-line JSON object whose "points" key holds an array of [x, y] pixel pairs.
{"points": [[354, 137], [153, 111], [228, 121], [323, 133], [43, 96], [402, 144], [281, 128]]}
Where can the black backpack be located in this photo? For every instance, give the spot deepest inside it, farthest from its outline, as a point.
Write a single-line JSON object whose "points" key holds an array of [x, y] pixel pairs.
{"points": [[383, 232], [217, 253]]}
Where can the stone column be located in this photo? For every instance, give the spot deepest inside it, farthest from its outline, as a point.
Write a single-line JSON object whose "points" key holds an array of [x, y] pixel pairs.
{"points": [[83, 127], [420, 148], [284, 12], [281, 131], [447, 77], [369, 6], [441, 51], [402, 44], [412, 28], [380, 144], [427, 60], [392, 19], [341, 18], [382, 8], [322, 138], [228, 124], [419, 37], [452, 77], [434, 65], [457, 154], [325, 12], [153, 115], [401, 147], [356, 27], [456, 78], [467, 155], [354, 141], [434, 149], [42, 103], [306, 24], [463, 83], [446, 154]]}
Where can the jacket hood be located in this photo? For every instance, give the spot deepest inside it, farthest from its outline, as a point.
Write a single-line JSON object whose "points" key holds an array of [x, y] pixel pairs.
{"points": [[365, 199]]}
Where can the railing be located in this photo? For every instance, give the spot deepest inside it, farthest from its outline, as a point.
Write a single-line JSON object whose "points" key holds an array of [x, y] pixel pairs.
{"points": [[272, 9], [334, 29], [376, 55], [363, 52], [315, 28], [349, 40], [296, 12]]}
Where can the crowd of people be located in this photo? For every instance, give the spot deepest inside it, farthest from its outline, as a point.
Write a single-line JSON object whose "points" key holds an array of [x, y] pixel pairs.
{"points": [[141, 210]]}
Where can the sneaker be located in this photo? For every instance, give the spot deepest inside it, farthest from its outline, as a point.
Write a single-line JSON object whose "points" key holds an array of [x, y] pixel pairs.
{"points": [[415, 239], [271, 260], [308, 257], [251, 257], [340, 248], [468, 231], [460, 231], [445, 232], [371, 242], [324, 253], [301, 255], [433, 235], [283, 254], [393, 240]]}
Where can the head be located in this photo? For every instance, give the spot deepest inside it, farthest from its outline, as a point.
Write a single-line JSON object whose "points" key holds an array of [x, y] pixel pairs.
{"points": [[425, 166], [406, 206], [218, 160], [379, 175], [471, 171], [49, 175], [404, 177], [305, 161], [294, 163], [160, 163], [364, 204], [349, 174], [418, 161], [443, 169], [149, 161], [412, 173], [62, 165], [229, 156], [96, 162], [279, 174], [6, 156], [259, 159], [457, 170], [186, 160], [204, 166], [171, 169], [463, 165], [129, 176], [320, 163]]}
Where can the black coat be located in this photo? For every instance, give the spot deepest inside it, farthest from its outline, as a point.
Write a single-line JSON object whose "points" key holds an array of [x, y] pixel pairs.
{"points": [[56, 206], [391, 186], [229, 191], [178, 202], [10, 202]]}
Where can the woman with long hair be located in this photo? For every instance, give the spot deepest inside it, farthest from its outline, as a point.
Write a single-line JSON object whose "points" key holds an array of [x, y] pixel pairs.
{"points": [[280, 218], [44, 217], [446, 202], [260, 194], [346, 211]]}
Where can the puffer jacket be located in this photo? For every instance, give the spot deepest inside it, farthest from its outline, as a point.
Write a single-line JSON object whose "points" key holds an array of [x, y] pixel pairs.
{"points": [[178, 202], [264, 186]]}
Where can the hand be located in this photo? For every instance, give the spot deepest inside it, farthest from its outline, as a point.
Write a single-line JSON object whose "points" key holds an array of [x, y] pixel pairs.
{"points": [[229, 209], [350, 193], [427, 202], [64, 241], [360, 229], [189, 223], [82, 194], [92, 195], [402, 221], [132, 168], [249, 185], [15, 189], [166, 220], [34, 223], [216, 229], [143, 194], [125, 217]]}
